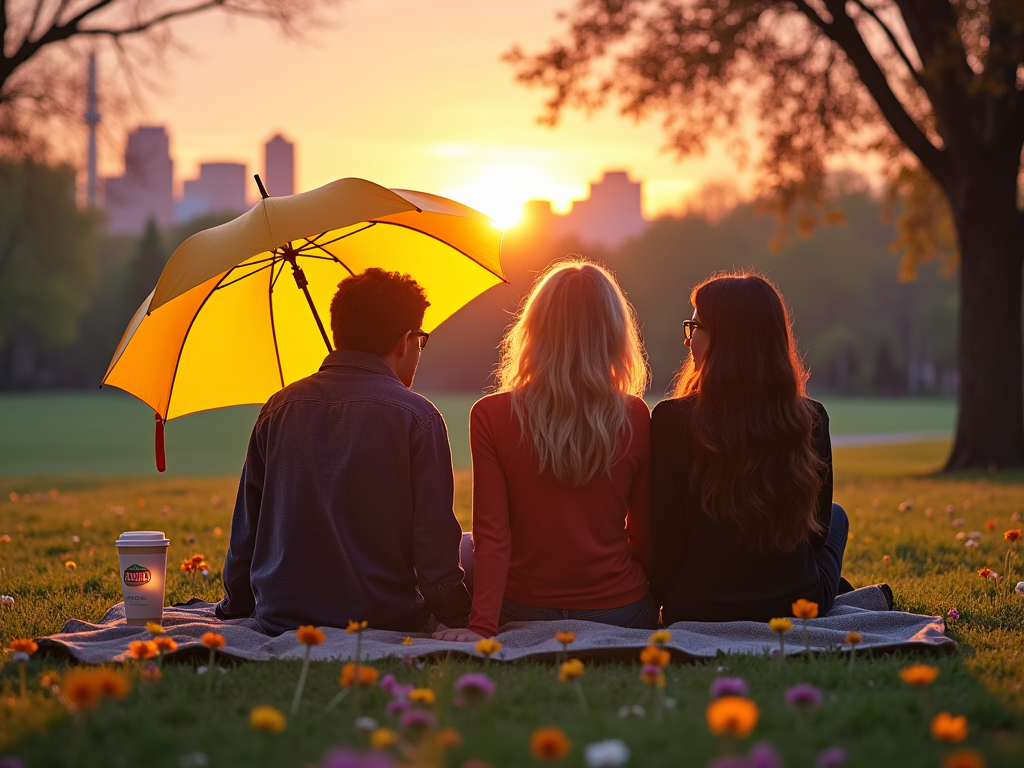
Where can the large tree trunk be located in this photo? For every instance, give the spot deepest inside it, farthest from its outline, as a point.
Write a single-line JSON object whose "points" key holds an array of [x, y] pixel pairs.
{"points": [[990, 422]]}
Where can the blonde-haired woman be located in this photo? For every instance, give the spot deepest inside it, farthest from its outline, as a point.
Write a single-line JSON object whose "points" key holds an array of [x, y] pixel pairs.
{"points": [[561, 464]]}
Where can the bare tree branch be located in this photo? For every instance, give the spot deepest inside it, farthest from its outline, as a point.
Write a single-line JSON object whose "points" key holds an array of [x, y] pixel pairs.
{"points": [[892, 39]]}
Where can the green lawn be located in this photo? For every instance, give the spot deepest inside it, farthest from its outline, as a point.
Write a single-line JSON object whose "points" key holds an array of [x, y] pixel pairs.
{"points": [[110, 433], [867, 710]]}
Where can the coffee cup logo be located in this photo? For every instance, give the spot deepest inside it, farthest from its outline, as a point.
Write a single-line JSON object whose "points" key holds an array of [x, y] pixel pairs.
{"points": [[136, 576]]}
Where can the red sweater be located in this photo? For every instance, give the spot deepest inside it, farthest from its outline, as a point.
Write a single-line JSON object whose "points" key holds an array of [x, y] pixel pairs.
{"points": [[547, 544]]}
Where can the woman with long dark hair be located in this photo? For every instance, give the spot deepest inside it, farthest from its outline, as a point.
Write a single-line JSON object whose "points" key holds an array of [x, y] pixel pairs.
{"points": [[561, 464], [742, 519]]}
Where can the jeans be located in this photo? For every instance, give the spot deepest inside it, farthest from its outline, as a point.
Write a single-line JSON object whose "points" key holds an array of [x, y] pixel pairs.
{"points": [[642, 614], [830, 556]]}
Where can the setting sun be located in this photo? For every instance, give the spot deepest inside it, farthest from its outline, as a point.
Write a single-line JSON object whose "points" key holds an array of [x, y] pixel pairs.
{"points": [[501, 190]]}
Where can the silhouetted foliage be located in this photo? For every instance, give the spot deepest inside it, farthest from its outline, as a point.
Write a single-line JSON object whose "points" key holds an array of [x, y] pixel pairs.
{"points": [[144, 270]]}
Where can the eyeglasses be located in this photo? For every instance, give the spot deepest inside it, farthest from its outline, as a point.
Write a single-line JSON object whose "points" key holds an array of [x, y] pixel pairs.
{"points": [[689, 326], [422, 337]]}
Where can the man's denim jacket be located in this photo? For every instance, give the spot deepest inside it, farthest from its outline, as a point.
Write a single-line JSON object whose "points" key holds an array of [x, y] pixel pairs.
{"points": [[344, 509]]}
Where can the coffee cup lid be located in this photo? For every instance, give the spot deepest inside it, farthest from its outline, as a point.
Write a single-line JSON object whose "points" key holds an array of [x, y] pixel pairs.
{"points": [[142, 539]]}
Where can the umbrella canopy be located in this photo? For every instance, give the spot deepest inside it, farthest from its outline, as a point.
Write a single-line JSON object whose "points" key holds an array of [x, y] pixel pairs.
{"points": [[226, 324]]}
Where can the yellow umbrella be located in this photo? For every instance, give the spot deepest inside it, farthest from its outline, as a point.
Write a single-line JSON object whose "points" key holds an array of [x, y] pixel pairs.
{"points": [[226, 326]]}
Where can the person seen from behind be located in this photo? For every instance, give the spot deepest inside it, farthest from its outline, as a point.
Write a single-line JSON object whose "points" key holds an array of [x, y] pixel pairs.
{"points": [[561, 464], [345, 504], [742, 517]]}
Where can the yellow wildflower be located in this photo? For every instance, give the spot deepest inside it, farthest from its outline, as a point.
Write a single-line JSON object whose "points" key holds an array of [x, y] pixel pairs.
{"points": [[422, 696], [780, 625], [488, 646], [382, 738], [570, 669], [267, 719], [660, 637], [355, 626]]}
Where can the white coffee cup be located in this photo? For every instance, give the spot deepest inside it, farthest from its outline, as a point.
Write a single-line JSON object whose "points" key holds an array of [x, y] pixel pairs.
{"points": [[143, 568]]}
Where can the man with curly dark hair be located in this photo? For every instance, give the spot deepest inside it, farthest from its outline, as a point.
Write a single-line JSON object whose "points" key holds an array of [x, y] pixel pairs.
{"points": [[345, 504]]}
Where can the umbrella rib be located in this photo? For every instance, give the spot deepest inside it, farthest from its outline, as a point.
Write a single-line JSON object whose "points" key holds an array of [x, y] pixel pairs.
{"points": [[454, 248], [279, 271], [247, 274], [346, 266], [273, 323], [312, 241]]}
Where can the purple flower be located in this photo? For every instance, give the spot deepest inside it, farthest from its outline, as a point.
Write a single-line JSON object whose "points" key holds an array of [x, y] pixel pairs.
{"points": [[388, 683], [833, 757], [400, 691], [474, 686], [804, 696], [728, 686], [397, 706], [763, 755], [12, 762], [417, 719], [345, 758], [953, 614]]}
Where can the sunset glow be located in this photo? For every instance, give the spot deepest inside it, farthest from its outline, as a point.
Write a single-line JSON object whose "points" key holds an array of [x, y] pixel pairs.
{"points": [[501, 191]]}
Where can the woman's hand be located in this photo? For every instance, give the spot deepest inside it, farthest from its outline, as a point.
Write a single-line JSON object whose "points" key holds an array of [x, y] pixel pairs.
{"points": [[456, 635]]}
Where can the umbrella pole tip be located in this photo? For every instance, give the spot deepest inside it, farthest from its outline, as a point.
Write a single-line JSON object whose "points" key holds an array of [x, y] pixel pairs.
{"points": [[259, 183]]}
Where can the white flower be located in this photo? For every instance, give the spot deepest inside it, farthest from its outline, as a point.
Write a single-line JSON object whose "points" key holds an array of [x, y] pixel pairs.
{"points": [[366, 724], [958, 522], [971, 543], [205, 572], [974, 535], [75, 539], [1019, 589], [6, 600], [201, 670], [19, 657], [610, 753], [961, 536], [634, 710]]}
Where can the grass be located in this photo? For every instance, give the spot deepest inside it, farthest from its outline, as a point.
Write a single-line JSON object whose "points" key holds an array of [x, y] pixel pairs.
{"points": [[867, 710], [109, 432]]}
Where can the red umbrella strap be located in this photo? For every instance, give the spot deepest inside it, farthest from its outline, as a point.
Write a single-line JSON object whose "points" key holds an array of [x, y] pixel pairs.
{"points": [[161, 457]]}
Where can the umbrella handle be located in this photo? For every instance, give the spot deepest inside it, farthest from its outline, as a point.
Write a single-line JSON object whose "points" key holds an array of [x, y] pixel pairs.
{"points": [[161, 457]]}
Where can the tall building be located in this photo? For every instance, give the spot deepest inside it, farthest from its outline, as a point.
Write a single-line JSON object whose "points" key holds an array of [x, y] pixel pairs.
{"points": [[145, 190], [610, 215], [220, 188], [279, 167]]}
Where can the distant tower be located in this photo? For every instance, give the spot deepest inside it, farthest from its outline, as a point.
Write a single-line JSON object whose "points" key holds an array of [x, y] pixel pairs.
{"points": [[92, 119], [279, 167]]}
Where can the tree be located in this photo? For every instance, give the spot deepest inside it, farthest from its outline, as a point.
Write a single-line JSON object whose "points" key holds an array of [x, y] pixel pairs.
{"points": [[36, 34], [935, 88], [46, 249], [144, 270]]}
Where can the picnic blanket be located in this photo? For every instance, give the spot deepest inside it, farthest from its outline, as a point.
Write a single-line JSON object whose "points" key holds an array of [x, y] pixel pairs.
{"points": [[863, 610]]}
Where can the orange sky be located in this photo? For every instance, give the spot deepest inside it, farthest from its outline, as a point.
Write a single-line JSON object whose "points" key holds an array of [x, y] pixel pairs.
{"points": [[406, 93]]}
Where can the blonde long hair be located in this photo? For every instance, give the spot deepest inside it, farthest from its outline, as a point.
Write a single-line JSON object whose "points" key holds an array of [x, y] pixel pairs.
{"points": [[570, 358]]}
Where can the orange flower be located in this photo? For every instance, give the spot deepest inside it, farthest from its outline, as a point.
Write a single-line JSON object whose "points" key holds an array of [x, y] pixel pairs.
{"points": [[197, 559], [112, 684], [164, 644], [81, 689], [421, 695], [946, 727], [570, 669], [213, 640], [70, 565], [24, 646], [267, 719], [407, 641], [448, 738], [142, 649], [565, 637], [732, 716], [1012, 535], [49, 679], [964, 758], [383, 738], [488, 647], [991, 524], [367, 675], [187, 566], [852, 638], [780, 625], [151, 672], [654, 655], [5, 539], [805, 609], [308, 635], [986, 573], [549, 744], [919, 675], [355, 626]]}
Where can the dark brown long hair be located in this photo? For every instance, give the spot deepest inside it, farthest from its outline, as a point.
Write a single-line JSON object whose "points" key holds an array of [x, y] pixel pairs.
{"points": [[755, 465]]}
